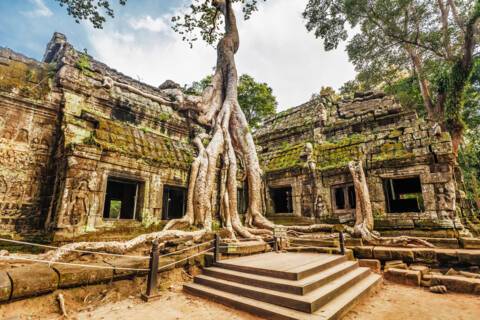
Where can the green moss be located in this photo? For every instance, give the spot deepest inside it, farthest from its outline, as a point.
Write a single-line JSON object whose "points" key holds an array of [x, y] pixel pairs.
{"points": [[83, 63], [164, 116], [30, 80]]}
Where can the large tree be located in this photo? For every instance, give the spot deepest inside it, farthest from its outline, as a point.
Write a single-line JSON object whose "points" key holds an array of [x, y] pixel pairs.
{"points": [[255, 98], [223, 139], [434, 39]]}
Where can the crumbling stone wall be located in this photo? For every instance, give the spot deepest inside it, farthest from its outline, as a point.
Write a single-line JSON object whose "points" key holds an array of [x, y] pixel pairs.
{"points": [[28, 128], [68, 125], [392, 142]]}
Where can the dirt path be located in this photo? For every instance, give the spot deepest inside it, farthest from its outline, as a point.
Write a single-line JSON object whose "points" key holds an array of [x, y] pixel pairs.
{"points": [[120, 301], [397, 302]]}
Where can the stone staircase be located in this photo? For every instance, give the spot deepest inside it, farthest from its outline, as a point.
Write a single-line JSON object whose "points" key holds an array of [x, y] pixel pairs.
{"points": [[286, 285]]}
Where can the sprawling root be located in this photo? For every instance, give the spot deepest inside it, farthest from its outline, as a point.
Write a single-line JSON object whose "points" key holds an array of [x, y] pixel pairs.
{"points": [[219, 111], [364, 216], [120, 247]]}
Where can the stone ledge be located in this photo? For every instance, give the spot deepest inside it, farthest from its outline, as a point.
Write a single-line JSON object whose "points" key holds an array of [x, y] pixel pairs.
{"points": [[32, 280], [420, 255], [457, 283]]}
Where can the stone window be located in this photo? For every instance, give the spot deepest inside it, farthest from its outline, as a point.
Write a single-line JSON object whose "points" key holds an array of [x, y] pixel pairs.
{"points": [[121, 199], [403, 195], [282, 199], [174, 202], [343, 198]]}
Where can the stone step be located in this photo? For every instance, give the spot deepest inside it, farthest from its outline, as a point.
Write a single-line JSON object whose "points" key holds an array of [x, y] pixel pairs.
{"points": [[295, 273], [306, 303], [315, 242], [332, 310], [339, 306], [300, 287]]}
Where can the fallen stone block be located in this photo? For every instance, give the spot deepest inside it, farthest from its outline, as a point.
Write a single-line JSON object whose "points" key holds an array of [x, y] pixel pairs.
{"points": [[438, 289], [423, 269], [408, 277], [458, 283], [363, 252], [5, 287], [32, 280], [373, 264], [470, 243], [73, 276]]}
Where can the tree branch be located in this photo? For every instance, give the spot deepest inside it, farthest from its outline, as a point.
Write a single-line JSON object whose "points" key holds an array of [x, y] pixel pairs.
{"points": [[446, 36]]}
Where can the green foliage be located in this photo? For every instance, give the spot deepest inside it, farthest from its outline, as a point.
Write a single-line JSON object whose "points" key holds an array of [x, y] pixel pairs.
{"points": [[203, 21], [255, 98], [92, 10], [83, 63], [469, 155], [407, 91], [401, 41]]}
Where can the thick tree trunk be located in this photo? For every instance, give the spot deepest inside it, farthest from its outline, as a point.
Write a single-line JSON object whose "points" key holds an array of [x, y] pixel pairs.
{"points": [[230, 135]]}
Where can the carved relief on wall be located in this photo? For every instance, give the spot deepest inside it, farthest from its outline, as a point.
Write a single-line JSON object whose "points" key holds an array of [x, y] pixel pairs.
{"points": [[79, 204], [13, 194]]}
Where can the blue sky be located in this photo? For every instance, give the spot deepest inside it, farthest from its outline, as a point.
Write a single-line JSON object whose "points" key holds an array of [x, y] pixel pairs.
{"points": [[275, 46]]}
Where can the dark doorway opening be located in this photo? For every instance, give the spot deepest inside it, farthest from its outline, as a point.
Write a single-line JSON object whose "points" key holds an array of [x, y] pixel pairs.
{"points": [[242, 200], [282, 199], [120, 199], [344, 199], [174, 202], [403, 195]]}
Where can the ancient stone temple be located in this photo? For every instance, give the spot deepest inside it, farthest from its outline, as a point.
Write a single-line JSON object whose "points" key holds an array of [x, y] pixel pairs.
{"points": [[85, 150], [408, 162]]}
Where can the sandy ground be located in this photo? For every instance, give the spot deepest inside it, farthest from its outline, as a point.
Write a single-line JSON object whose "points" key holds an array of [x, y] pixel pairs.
{"points": [[121, 300]]}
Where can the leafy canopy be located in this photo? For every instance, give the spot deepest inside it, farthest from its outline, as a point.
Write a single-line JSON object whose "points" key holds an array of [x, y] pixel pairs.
{"points": [[255, 98], [200, 19], [94, 11]]}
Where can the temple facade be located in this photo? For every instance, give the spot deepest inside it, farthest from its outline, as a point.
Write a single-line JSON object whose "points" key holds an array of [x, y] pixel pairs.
{"points": [[413, 181], [86, 150]]}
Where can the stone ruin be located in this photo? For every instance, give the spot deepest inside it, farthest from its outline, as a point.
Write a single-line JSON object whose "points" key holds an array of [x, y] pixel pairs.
{"points": [[85, 149], [414, 183]]}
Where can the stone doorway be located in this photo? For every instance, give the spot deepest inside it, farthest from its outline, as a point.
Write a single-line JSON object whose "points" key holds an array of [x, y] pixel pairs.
{"points": [[282, 199], [403, 195], [121, 199], [174, 202]]}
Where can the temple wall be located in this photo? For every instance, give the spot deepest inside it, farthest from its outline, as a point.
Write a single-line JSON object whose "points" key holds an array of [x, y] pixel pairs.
{"points": [[28, 124]]}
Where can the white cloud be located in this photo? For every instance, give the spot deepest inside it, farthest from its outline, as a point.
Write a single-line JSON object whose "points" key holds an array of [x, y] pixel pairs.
{"points": [[40, 10], [274, 48], [148, 23]]}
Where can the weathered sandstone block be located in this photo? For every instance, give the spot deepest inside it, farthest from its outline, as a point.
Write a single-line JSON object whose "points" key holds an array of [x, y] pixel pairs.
{"points": [[373, 264], [32, 280], [408, 277]]}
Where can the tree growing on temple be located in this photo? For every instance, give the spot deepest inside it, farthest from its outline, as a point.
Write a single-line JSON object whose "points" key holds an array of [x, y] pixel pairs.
{"points": [[256, 99], [433, 41]]}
